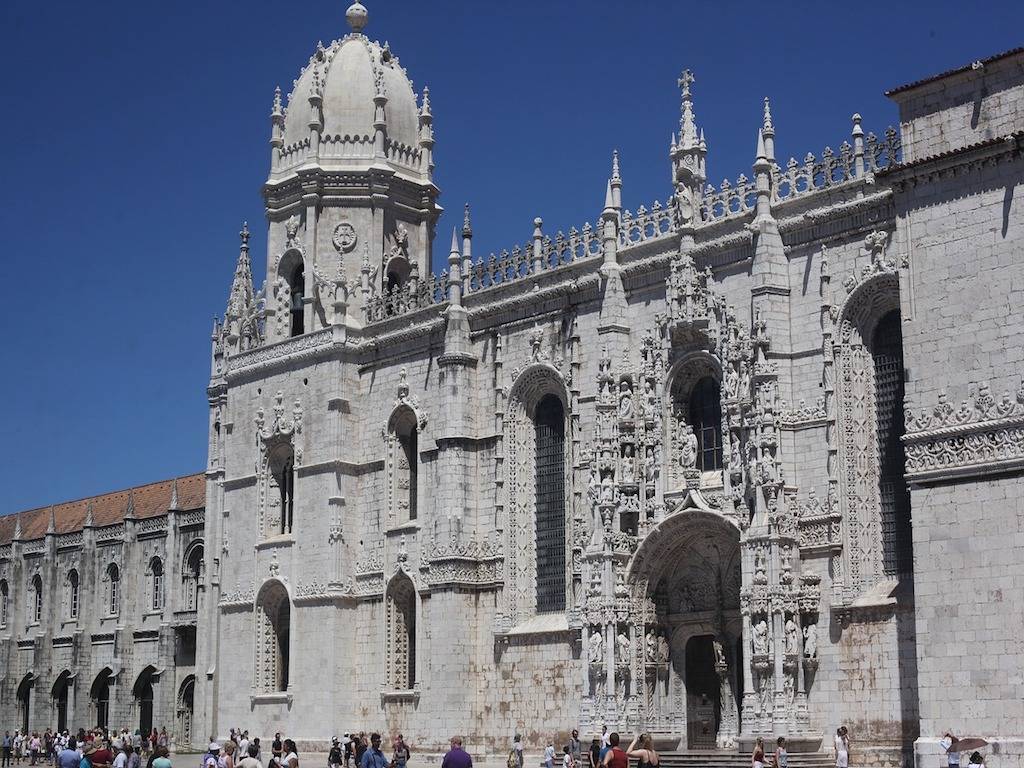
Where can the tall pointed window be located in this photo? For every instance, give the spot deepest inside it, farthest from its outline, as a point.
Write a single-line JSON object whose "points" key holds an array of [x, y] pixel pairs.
{"points": [[113, 589], [706, 421], [549, 426], [297, 286], [406, 465], [72, 588], [37, 600], [401, 634], [282, 480], [191, 575], [156, 569], [273, 639], [4, 595], [887, 352]]}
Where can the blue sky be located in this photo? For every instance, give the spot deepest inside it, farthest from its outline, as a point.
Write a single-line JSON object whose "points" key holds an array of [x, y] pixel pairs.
{"points": [[135, 142]]}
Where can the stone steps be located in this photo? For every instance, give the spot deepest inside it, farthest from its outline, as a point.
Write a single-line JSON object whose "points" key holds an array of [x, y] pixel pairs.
{"points": [[717, 759]]}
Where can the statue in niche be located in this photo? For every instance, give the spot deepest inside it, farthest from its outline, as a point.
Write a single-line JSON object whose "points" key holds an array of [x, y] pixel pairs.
{"points": [[620, 686], [832, 502], [719, 653], [760, 572], [650, 465], [760, 639], [744, 378], [811, 641], [792, 637], [607, 489], [625, 400], [627, 463], [687, 446], [650, 397], [732, 382], [594, 497], [663, 649], [595, 648], [652, 645], [622, 648]]}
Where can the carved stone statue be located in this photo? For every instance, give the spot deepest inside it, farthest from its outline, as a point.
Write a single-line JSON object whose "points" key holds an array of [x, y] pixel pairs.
{"points": [[595, 648], [594, 497], [760, 571], [607, 489], [719, 652], [732, 382], [652, 645], [650, 398], [687, 446], [760, 639], [650, 465], [622, 647], [625, 400], [811, 641], [628, 470], [792, 637], [663, 649]]}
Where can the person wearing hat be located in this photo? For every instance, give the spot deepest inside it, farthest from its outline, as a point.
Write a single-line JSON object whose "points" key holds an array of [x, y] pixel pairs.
{"points": [[335, 756], [212, 753]]}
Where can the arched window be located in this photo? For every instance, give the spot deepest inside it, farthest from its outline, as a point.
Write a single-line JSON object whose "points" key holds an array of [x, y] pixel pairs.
{"points": [[406, 465], [25, 700], [706, 421], [401, 634], [4, 595], [142, 691], [273, 646], [297, 285], [72, 588], [887, 353], [37, 600], [100, 695], [191, 575], [156, 586], [282, 480], [549, 427], [60, 698], [113, 579]]}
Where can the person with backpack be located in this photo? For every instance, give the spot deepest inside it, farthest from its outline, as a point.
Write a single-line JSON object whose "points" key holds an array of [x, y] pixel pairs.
{"points": [[401, 755], [335, 757]]}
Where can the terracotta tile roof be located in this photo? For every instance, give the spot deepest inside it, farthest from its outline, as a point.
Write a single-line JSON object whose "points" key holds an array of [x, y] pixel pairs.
{"points": [[149, 500], [949, 73]]}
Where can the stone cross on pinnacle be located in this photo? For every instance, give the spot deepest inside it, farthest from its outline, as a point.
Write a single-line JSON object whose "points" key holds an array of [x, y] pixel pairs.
{"points": [[685, 81]]}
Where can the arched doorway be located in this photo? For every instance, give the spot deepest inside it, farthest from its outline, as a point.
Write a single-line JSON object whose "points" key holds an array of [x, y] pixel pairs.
{"points": [[25, 700], [186, 710], [60, 699], [273, 637], [143, 693], [689, 566], [100, 696]]}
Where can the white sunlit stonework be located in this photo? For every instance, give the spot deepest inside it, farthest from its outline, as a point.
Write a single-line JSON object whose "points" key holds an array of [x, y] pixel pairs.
{"points": [[693, 469]]}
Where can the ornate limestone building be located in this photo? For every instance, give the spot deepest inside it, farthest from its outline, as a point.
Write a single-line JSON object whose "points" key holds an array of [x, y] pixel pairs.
{"points": [[744, 461]]}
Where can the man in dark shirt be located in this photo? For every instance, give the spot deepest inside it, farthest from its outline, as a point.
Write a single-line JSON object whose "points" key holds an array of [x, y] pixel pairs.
{"points": [[457, 757]]}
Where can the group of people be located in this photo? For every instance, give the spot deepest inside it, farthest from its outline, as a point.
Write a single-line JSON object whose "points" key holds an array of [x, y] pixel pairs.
{"points": [[87, 749], [604, 752], [239, 751]]}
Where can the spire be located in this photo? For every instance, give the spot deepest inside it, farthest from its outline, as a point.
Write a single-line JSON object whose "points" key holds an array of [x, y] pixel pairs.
{"points": [[467, 228], [89, 521], [174, 494], [52, 526], [425, 109], [241, 299], [17, 527], [609, 200], [455, 243], [687, 124], [616, 181], [768, 132], [129, 511], [427, 132], [761, 156], [276, 130]]}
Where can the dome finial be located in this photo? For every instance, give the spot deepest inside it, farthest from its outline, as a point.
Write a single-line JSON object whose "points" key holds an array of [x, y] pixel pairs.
{"points": [[357, 16]]}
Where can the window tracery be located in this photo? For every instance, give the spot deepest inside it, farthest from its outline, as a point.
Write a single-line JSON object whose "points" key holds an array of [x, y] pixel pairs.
{"points": [[112, 587], [280, 452], [402, 454], [192, 575], [72, 594], [273, 633], [4, 597], [36, 614], [400, 632], [695, 418], [155, 574]]}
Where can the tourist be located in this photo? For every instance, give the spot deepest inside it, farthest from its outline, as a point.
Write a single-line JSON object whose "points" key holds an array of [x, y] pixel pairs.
{"points": [[402, 753], [842, 742], [456, 757], [7, 743], [642, 748], [276, 749], [120, 756], [87, 756], [781, 755], [102, 756], [227, 756], [605, 738], [135, 758], [164, 740], [291, 755], [259, 749], [952, 754], [34, 746], [212, 753], [336, 756], [361, 746], [162, 759], [251, 759], [615, 757], [517, 750], [373, 757], [595, 752], [68, 757], [549, 755], [567, 761], [757, 756], [243, 745], [136, 741]]}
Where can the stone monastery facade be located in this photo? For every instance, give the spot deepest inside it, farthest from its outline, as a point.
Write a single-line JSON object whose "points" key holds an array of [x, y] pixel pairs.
{"points": [[746, 461]]}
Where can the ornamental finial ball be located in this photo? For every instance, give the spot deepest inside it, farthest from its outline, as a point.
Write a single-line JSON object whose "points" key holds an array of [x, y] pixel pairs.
{"points": [[357, 16]]}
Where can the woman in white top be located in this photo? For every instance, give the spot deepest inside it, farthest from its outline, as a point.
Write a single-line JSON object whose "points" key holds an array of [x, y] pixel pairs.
{"points": [[842, 747]]}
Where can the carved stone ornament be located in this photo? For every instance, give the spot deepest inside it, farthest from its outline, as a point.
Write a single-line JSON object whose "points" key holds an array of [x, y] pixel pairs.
{"points": [[344, 238]]}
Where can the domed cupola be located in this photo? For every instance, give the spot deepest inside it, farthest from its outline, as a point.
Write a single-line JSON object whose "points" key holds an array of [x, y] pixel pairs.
{"points": [[350, 191], [352, 105]]}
